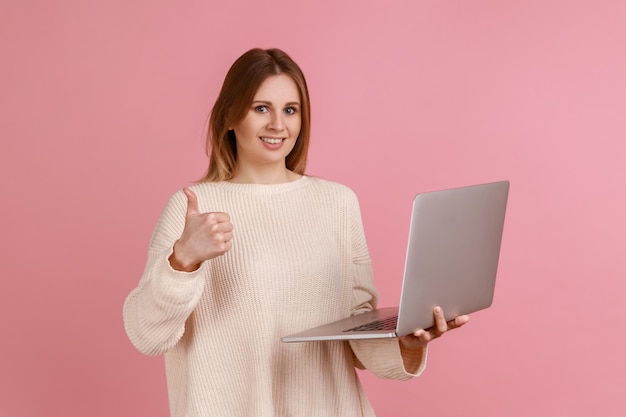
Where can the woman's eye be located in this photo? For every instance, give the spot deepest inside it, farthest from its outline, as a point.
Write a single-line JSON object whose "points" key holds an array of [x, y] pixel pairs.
{"points": [[261, 109], [290, 110]]}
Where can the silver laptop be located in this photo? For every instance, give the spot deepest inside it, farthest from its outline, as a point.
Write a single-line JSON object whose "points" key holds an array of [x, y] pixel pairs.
{"points": [[451, 261]]}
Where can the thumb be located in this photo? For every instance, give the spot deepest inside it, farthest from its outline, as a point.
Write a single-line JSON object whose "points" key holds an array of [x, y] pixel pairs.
{"points": [[192, 201]]}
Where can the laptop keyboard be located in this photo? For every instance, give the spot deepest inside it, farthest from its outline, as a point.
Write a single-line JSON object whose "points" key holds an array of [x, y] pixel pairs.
{"points": [[386, 324]]}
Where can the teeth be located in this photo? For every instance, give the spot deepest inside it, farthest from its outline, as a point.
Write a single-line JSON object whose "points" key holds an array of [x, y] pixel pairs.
{"points": [[273, 141]]}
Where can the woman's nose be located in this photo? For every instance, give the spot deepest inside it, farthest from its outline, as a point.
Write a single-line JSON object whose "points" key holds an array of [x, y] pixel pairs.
{"points": [[276, 123]]}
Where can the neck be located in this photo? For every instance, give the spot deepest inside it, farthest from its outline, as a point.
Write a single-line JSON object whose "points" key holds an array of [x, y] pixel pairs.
{"points": [[264, 176]]}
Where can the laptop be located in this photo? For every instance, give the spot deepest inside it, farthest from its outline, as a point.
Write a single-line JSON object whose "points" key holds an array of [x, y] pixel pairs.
{"points": [[451, 261]]}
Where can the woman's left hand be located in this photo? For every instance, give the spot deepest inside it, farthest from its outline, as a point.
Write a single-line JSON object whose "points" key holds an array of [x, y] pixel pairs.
{"points": [[421, 337]]}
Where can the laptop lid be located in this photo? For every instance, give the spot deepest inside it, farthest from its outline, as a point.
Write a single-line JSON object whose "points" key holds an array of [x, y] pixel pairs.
{"points": [[451, 261], [452, 254]]}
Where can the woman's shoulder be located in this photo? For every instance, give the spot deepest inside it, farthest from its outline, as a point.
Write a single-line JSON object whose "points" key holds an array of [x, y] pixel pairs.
{"points": [[331, 186], [334, 192]]}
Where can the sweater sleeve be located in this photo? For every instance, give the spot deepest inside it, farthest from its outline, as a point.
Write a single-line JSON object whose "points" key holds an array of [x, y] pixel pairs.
{"points": [[155, 311], [386, 358]]}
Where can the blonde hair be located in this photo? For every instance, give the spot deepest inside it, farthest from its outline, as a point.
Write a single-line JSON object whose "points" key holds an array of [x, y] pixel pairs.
{"points": [[233, 102]]}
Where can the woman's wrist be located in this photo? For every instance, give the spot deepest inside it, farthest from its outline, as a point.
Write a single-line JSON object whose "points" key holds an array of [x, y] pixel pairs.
{"points": [[180, 262]]}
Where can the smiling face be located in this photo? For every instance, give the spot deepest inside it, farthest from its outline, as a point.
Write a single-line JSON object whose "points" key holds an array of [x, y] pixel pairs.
{"points": [[269, 131]]}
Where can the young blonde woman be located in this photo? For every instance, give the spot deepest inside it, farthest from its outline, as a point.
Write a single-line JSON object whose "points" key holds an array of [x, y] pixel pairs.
{"points": [[256, 251]]}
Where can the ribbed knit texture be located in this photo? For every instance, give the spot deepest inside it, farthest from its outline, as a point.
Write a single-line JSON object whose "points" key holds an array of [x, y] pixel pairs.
{"points": [[299, 259]]}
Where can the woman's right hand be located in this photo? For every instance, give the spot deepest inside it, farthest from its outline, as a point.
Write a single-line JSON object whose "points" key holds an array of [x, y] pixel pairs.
{"points": [[205, 236]]}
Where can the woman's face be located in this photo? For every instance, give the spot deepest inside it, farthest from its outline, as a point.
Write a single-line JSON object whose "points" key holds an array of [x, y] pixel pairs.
{"points": [[268, 132]]}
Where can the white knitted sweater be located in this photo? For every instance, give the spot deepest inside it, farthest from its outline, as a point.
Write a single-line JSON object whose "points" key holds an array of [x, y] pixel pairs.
{"points": [[299, 259]]}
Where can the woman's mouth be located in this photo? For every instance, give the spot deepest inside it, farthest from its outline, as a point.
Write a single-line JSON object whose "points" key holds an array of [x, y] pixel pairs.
{"points": [[272, 141]]}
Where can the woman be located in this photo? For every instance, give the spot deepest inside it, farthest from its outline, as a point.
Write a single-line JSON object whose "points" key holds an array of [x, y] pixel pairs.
{"points": [[215, 299]]}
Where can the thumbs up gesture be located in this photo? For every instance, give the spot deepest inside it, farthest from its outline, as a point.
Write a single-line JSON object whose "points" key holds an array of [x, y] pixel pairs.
{"points": [[205, 236]]}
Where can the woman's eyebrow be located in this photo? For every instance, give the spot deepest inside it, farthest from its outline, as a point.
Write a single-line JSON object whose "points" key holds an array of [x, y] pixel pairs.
{"points": [[269, 103]]}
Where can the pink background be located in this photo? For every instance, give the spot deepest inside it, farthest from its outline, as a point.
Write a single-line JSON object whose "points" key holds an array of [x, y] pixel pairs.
{"points": [[103, 109]]}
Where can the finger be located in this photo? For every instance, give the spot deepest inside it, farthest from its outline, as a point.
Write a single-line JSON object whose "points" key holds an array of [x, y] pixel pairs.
{"points": [[458, 322], [440, 321], [223, 227], [192, 201], [411, 341], [422, 335], [225, 246], [219, 217], [224, 237]]}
